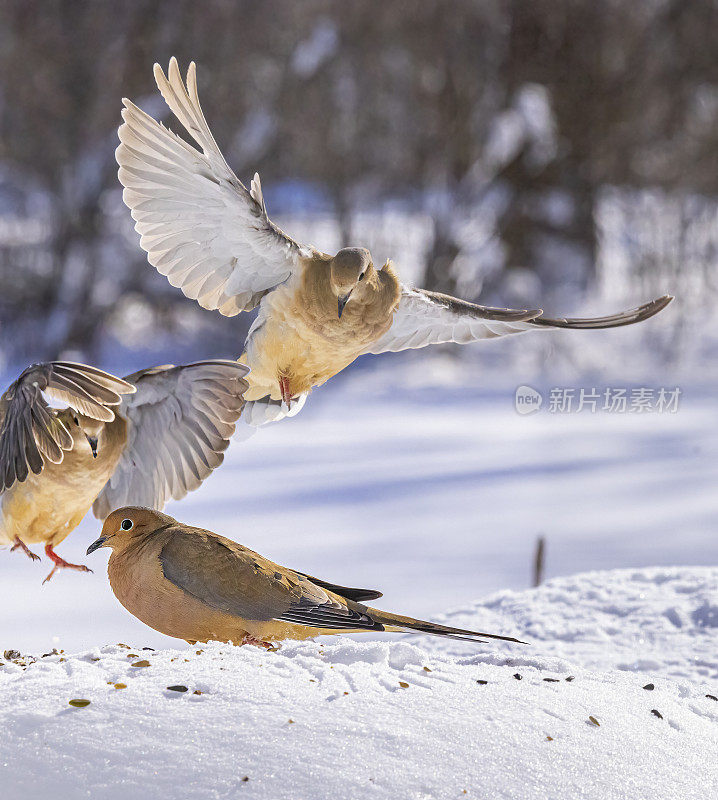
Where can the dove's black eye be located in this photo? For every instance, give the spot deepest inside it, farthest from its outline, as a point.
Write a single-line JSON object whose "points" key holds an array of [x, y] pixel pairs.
{"points": [[361, 277], [126, 524]]}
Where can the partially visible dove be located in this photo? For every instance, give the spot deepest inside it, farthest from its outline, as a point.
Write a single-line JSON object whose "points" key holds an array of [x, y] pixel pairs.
{"points": [[154, 435]]}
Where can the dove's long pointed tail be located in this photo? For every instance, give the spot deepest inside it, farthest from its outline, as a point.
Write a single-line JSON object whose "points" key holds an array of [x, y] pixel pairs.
{"points": [[397, 623]]}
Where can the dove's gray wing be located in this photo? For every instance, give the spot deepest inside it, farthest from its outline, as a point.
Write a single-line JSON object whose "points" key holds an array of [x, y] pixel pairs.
{"points": [[31, 433], [198, 223], [179, 424], [423, 318]]}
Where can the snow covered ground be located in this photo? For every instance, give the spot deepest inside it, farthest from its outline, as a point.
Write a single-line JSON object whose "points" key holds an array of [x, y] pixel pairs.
{"points": [[615, 697], [434, 495]]}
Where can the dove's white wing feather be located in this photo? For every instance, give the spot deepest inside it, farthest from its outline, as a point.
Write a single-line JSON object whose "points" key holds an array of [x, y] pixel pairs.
{"points": [[423, 318], [198, 223], [179, 422]]}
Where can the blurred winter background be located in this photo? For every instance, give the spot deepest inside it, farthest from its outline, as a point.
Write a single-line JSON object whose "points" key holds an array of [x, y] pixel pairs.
{"points": [[558, 153]]}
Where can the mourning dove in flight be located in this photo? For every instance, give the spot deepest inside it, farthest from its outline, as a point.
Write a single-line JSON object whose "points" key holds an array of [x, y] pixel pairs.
{"points": [[213, 239], [154, 435], [195, 585]]}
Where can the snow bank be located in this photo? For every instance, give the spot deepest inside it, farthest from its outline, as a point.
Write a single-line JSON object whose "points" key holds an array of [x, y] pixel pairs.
{"points": [[567, 717], [662, 620]]}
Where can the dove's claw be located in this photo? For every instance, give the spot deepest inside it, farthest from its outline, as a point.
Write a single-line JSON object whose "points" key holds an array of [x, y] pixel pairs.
{"points": [[25, 549], [60, 563]]}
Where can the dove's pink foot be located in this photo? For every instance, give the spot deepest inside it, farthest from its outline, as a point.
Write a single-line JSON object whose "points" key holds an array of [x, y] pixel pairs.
{"points": [[247, 639], [60, 563], [25, 549]]}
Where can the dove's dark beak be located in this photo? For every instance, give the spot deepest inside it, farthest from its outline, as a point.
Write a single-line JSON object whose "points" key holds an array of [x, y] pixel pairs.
{"points": [[92, 441], [96, 545], [342, 302]]}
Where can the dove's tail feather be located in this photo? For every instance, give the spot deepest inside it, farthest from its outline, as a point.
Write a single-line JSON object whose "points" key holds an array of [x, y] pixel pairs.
{"points": [[397, 623], [260, 412]]}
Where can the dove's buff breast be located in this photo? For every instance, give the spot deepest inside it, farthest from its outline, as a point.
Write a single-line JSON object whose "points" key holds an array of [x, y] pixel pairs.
{"points": [[139, 584], [46, 508], [299, 335]]}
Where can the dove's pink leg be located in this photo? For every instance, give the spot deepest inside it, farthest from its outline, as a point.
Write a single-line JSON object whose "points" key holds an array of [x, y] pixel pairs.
{"points": [[286, 391], [25, 549], [60, 563]]}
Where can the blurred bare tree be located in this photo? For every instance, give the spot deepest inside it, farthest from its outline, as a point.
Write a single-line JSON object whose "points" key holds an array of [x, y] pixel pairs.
{"points": [[503, 124]]}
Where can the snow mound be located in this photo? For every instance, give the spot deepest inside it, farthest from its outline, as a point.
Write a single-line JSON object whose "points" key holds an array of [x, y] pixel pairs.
{"points": [[662, 620], [611, 700]]}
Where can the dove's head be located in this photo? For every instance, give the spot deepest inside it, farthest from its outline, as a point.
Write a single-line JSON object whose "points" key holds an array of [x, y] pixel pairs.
{"points": [[349, 268], [91, 428], [124, 525]]}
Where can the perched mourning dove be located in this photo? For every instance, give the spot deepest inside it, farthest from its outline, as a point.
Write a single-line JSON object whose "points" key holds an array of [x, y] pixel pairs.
{"points": [[213, 239], [154, 435], [195, 585]]}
